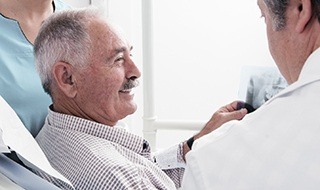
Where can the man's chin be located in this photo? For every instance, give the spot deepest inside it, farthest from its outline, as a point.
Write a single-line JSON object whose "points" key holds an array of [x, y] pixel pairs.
{"points": [[134, 109], [131, 109]]}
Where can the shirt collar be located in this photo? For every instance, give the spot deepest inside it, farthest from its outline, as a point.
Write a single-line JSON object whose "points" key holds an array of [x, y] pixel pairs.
{"points": [[114, 134], [311, 69]]}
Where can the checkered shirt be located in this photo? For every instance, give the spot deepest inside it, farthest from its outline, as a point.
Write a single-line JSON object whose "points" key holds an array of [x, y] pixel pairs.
{"points": [[57, 182], [95, 156]]}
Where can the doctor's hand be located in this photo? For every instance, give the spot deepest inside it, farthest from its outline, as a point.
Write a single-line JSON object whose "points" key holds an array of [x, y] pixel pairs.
{"points": [[226, 113]]}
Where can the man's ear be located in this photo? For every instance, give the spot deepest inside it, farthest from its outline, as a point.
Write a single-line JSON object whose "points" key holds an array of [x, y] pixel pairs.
{"points": [[305, 15], [63, 75]]}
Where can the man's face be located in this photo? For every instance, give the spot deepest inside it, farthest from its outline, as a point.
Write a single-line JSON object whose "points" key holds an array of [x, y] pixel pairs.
{"points": [[101, 89]]}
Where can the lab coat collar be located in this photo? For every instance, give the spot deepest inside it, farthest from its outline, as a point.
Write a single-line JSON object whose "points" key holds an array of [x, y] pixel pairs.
{"points": [[310, 73]]}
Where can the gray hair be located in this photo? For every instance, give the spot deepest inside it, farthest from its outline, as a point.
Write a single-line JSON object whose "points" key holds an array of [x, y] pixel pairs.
{"points": [[63, 37], [278, 8]]}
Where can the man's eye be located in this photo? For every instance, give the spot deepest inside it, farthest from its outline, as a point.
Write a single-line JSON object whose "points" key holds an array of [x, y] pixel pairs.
{"points": [[119, 59]]}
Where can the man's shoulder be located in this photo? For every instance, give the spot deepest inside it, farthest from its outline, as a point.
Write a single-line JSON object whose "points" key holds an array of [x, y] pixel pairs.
{"points": [[81, 145]]}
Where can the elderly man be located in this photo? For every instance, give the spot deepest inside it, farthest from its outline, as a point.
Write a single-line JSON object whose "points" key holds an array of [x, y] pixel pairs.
{"points": [[86, 68], [277, 146]]}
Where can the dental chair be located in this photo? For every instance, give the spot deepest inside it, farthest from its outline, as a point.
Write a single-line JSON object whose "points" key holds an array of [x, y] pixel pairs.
{"points": [[16, 140]]}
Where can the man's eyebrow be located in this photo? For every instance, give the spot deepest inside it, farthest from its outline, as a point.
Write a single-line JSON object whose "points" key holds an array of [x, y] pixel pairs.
{"points": [[122, 49]]}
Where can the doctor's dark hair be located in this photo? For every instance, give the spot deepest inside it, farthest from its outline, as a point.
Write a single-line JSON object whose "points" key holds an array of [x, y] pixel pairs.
{"points": [[63, 37], [278, 8]]}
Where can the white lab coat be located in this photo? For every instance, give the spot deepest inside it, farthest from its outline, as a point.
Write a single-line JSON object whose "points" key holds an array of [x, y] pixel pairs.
{"points": [[275, 147]]}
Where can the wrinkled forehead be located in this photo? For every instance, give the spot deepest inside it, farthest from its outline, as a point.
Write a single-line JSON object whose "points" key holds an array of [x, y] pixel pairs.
{"points": [[103, 34]]}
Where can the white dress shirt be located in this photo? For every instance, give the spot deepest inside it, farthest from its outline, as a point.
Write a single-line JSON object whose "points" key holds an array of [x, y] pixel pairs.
{"points": [[275, 147]]}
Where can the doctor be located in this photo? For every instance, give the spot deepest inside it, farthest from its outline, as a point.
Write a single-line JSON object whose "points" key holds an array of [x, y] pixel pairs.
{"points": [[277, 146]]}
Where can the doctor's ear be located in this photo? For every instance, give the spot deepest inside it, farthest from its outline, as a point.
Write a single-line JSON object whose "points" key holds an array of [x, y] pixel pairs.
{"points": [[305, 14], [64, 78]]}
